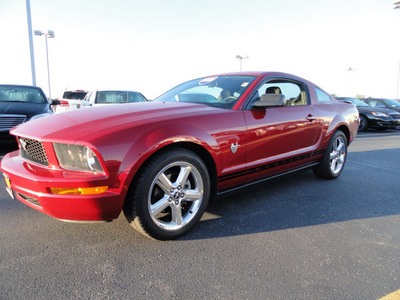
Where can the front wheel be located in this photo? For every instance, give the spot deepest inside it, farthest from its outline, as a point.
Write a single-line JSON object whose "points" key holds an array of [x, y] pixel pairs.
{"points": [[334, 159], [363, 125], [169, 195]]}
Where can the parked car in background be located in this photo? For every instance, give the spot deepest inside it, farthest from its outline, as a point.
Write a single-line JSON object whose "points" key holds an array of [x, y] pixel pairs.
{"points": [[162, 161], [374, 117], [19, 104], [383, 103], [104, 97], [71, 100]]}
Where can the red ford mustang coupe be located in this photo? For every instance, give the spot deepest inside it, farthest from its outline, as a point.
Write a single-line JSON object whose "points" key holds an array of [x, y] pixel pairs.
{"points": [[160, 162]]}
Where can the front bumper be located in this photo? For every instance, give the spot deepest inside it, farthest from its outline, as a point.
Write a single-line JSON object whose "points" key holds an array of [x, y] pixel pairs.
{"points": [[386, 124], [31, 185]]}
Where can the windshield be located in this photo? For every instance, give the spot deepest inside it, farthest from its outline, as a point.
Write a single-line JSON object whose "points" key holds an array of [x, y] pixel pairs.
{"points": [[119, 97], [9, 93], [218, 91], [74, 95], [392, 103], [355, 101]]}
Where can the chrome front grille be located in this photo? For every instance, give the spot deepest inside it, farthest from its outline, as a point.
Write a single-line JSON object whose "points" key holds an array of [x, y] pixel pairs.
{"points": [[9, 121], [33, 150]]}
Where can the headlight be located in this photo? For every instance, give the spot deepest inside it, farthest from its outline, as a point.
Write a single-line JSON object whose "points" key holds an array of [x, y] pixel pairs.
{"points": [[380, 114], [77, 158]]}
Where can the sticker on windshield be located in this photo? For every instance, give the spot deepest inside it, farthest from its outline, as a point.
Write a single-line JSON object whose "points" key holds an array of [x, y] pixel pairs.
{"points": [[244, 84], [207, 80]]}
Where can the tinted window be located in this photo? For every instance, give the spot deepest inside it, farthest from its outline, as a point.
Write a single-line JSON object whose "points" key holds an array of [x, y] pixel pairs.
{"points": [[74, 95], [136, 97], [118, 97], [392, 103]]}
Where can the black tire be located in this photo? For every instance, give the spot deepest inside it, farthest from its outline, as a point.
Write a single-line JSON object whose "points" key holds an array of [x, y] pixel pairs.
{"points": [[169, 195], [363, 125], [334, 159]]}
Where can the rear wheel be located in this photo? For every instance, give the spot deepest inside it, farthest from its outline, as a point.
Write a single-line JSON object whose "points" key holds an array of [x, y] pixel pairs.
{"points": [[334, 159], [170, 195]]}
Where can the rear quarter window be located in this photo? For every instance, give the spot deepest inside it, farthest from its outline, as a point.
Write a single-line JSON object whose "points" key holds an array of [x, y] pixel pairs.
{"points": [[322, 96]]}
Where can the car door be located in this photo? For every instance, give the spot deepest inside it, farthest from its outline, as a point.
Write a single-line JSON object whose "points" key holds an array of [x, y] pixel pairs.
{"points": [[281, 138]]}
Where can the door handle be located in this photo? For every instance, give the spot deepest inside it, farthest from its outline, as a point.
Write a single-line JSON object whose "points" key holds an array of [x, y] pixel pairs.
{"points": [[311, 118]]}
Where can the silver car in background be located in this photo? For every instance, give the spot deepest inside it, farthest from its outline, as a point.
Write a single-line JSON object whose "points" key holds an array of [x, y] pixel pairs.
{"points": [[105, 97]]}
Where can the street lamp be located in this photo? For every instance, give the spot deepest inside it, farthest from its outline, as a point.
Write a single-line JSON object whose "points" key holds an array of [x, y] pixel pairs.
{"points": [[239, 57], [49, 34]]}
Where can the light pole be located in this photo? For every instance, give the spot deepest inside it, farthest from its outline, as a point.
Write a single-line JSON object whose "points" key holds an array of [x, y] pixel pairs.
{"points": [[29, 19], [49, 34], [239, 57]]}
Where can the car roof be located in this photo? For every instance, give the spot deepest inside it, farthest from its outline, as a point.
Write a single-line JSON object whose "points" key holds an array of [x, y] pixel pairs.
{"points": [[116, 90], [20, 85], [256, 73]]}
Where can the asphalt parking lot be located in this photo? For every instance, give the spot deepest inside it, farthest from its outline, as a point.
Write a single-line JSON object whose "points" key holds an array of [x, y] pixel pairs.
{"points": [[297, 238]]}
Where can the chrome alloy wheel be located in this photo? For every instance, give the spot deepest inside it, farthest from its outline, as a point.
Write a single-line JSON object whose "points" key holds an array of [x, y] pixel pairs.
{"points": [[337, 155], [175, 195]]}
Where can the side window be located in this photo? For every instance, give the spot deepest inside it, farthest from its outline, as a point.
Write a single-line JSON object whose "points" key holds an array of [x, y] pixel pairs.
{"points": [[322, 96], [294, 92]]}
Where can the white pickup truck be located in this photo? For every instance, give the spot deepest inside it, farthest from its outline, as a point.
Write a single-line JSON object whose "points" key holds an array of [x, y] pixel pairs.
{"points": [[70, 100]]}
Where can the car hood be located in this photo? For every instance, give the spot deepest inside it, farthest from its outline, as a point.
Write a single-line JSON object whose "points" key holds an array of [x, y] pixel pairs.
{"points": [[23, 108], [368, 109], [74, 125]]}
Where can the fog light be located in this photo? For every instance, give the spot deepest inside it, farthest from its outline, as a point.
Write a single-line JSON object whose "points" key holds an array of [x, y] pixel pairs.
{"points": [[79, 191]]}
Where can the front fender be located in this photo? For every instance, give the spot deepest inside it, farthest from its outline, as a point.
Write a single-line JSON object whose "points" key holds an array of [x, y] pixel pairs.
{"points": [[153, 139]]}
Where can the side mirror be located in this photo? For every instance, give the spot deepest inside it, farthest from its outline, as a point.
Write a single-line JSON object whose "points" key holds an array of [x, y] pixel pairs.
{"points": [[270, 100]]}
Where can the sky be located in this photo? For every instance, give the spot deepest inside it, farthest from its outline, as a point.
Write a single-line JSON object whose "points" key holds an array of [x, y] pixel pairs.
{"points": [[347, 47]]}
